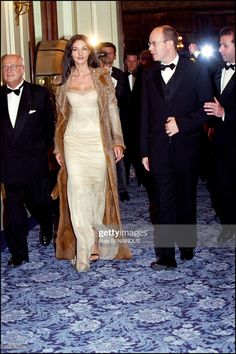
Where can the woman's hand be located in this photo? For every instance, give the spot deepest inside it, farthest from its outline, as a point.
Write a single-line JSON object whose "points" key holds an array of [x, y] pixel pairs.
{"points": [[118, 152], [58, 158]]}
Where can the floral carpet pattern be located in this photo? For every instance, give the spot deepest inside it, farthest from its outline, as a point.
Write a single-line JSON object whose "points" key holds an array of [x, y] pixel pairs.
{"points": [[123, 306]]}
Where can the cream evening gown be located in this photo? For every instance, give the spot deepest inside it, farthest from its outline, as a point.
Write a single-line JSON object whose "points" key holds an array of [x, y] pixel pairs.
{"points": [[86, 168]]}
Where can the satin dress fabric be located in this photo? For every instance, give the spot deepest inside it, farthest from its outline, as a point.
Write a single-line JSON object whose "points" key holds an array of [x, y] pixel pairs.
{"points": [[86, 167]]}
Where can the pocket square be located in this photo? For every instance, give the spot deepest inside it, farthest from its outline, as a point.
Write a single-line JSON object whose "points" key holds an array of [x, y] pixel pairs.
{"points": [[32, 111]]}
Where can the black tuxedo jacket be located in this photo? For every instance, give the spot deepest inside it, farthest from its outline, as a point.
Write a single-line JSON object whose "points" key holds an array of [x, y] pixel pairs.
{"points": [[24, 148], [188, 89], [224, 136], [131, 111], [225, 133], [118, 74]]}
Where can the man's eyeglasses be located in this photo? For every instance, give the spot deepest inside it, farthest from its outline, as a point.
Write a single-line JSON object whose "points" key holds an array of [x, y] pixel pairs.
{"points": [[154, 43], [12, 67]]}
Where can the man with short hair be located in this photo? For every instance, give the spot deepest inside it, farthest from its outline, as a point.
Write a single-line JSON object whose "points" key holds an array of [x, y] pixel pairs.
{"points": [[107, 60], [130, 117], [145, 59], [173, 94], [27, 130], [222, 179]]}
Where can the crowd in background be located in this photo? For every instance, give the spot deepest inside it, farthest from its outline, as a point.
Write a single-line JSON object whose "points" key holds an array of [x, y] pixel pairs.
{"points": [[167, 118]]}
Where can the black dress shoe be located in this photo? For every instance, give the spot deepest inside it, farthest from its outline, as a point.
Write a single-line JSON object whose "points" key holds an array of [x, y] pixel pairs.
{"points": [[46, 232], [45, 238], [186, 254], [163, 265], [124, 196], [17, 260]]}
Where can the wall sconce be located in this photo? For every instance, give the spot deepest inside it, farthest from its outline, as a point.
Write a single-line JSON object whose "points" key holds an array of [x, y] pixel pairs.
{"points": [[180, 44], [21, 7]]}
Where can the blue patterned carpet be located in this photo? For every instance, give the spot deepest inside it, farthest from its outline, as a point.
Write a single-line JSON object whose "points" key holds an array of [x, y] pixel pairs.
{"points": [[123, 306]]}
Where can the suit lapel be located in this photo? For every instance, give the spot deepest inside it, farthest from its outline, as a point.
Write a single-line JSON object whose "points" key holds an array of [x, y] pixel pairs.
{"points": [[5, 112], [6, 119], [174, 82], [158, 81], [218, 79], [177, 77]]}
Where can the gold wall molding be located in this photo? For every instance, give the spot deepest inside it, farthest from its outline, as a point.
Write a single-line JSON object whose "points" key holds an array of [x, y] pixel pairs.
{"points": [[21, 8]]}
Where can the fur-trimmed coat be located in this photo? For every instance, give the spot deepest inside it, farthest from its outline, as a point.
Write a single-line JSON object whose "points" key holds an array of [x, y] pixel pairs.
{"points": [[111, 134]]}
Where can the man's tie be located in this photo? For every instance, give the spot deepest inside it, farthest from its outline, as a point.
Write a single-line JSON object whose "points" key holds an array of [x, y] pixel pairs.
{"points": [[229, 66], [17, 91], [133, 74], [171, 66]]}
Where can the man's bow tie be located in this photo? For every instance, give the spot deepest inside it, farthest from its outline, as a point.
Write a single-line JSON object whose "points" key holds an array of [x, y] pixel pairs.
{"points": [[229, 66], [171, 66], [17, 91], [134, 74]]}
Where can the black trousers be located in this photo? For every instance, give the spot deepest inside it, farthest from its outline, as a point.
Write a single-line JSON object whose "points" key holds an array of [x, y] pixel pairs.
{"points": [[175, 194], [34, 196], [133, 157], [222, 187]]}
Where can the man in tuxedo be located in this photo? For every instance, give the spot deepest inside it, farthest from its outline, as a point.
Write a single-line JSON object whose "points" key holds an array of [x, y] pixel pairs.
{"points": [[222, 179], [130, 121], [27, 130], [173, 94], [130, 117], [212, 62], [108, 51]]}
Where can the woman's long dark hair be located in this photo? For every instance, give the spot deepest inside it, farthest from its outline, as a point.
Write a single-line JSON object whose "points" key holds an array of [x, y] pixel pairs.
{"points": [[68, 62]]}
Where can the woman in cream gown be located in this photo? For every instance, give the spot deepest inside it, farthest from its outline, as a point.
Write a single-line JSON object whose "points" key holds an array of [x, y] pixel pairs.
{"points": [[88, 142]]}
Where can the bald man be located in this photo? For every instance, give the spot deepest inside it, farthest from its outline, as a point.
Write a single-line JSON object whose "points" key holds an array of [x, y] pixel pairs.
{"points": [[26, 133]]}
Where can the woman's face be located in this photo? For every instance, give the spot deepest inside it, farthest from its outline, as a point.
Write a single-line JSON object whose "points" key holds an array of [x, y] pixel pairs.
{"points": [[80, 52]]}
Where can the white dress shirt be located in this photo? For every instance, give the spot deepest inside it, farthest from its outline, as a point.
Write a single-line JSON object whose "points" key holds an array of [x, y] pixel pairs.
{"points": [[13, 103], [167, 73], [131, 80], [225, 77]]}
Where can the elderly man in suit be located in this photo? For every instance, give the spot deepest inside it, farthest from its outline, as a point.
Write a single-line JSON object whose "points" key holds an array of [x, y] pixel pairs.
{"points": [[222, 179], [173, 94], [27, 130]]}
